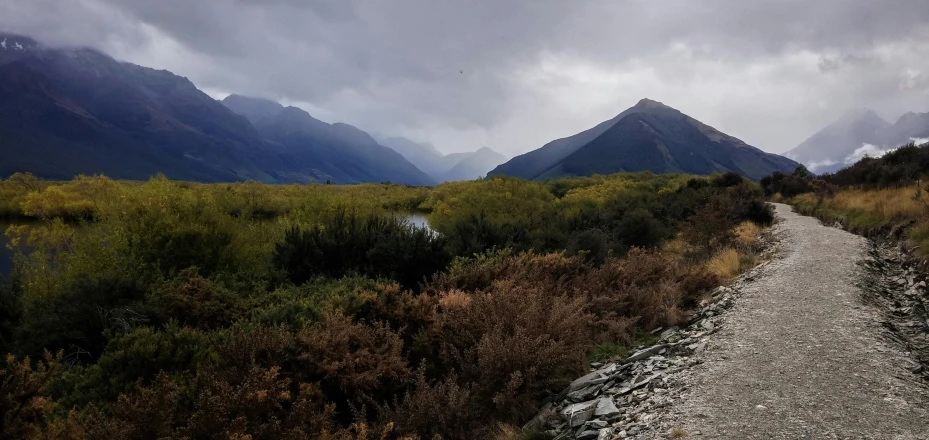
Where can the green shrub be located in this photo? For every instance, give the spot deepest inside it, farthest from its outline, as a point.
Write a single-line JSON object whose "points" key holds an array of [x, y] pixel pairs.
{"points": [[132, 359], [10, 314], [639, 228], [375, 246], [195, 301], [593, 243], [78, 319]]}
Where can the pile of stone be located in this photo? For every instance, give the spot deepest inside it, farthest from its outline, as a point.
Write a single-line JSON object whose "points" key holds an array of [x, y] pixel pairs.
{"points": [[896, 281], [623, 399]]}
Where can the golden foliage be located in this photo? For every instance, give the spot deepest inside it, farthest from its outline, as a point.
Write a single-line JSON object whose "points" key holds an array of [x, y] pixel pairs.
{"points": [[746, 233], [725, 263], [24, 403]]}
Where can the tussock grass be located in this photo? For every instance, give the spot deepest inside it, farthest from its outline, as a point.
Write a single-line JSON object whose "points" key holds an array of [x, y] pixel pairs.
{"points": [[725, 264], [746, 233], [676, 247], [865, 210], [868, 209]]}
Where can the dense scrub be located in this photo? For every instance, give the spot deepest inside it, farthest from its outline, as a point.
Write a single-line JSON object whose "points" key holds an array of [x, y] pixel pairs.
{"points": [[182, 310], [902, 166], [885, 195]]}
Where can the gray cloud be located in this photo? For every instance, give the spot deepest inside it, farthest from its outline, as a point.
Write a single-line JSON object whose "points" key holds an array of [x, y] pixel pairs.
{"points": [[512, 75]]}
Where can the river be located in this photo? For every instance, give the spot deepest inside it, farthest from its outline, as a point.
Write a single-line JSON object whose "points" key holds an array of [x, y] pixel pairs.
{"points": [[417, 219]]}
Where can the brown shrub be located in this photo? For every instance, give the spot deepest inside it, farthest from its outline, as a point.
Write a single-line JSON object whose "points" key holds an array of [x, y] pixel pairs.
{"points": [[642, 290], [512, 344], [710, 227], [262, 406], [696, 280], [24, 402], [355, 363], [243, 348], [454, 299], [148, 412], [396, 307], [552, 271], [435, 409]]}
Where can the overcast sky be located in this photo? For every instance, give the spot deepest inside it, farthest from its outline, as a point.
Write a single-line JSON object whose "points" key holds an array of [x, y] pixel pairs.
{"points": [[513, 75]]}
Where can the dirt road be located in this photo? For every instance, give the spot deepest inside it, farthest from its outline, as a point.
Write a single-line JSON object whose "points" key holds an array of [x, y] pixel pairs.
{"points": [[800, 356]]}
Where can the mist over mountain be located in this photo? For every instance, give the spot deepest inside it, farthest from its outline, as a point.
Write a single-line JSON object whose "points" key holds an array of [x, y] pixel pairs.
{"points": [[68, 111], [473, 165], [328, 152], [448, 167], [858, 133], [424, 155], [649, 136]]}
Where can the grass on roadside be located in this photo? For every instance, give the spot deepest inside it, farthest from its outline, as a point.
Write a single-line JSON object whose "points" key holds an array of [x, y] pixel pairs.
{"points": [[866, 210]]}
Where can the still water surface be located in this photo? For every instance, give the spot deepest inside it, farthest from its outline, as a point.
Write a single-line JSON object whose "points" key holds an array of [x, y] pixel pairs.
{"points": [[418, 220]]}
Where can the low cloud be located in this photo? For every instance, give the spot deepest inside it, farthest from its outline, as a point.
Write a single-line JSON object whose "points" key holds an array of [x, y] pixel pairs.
{"points": [[816, 166], [867, 150], [513, 76]]}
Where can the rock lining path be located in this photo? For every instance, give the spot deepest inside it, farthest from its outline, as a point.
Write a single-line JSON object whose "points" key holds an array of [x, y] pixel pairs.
{"points": [[800, 355]]}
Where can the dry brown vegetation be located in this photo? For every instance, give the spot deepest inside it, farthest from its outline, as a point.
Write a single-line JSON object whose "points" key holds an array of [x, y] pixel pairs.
{"points": [[724, 264], [900, 210], [875, 196], [184, 311]]}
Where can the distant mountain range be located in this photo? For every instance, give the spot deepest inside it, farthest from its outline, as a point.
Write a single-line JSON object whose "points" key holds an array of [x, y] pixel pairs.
{"points": [[77, 111], [69, 111], [858, 133], [327, 152], [649, 136], [445, 168]]}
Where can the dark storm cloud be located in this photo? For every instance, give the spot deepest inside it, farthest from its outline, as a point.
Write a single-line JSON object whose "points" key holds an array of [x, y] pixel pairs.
{"points": [[513, 75]]}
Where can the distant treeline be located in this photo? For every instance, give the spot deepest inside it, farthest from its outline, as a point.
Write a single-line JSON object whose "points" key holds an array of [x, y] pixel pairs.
{"points": [[875, 196], [902, 166]]}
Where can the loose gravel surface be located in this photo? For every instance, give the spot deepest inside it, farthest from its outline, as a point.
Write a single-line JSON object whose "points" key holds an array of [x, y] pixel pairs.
{"points": [[800, 355]]}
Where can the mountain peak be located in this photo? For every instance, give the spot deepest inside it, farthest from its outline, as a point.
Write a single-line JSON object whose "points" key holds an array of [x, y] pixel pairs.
{"points": [[858, 114], [16, 42], [908, 117], [647, 137], [831, 146], [649, 103]]}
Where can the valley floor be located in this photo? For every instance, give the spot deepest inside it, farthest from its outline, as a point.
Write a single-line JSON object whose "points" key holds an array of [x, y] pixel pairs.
{"points": [[800, 356]]}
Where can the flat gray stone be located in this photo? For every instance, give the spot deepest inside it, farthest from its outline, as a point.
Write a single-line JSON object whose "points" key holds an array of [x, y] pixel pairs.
{"points": [[606, 408], [578, 413]]}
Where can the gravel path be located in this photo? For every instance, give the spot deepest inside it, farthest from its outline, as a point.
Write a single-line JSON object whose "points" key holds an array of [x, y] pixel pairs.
{"points": [[800, 356]]}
